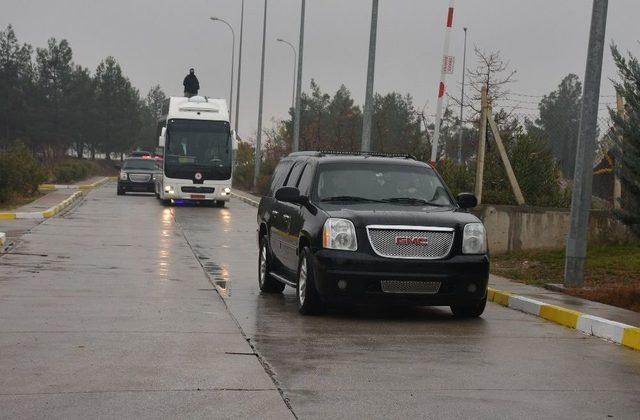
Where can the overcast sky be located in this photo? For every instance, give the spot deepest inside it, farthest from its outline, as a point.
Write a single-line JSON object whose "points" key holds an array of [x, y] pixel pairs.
{"points": [[156, 41]]}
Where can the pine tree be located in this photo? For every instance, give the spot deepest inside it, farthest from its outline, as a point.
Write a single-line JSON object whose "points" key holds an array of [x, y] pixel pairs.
{"points": [[627, 148]]}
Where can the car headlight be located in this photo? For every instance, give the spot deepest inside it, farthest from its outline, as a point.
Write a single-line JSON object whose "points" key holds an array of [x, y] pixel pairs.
{"points": [[227, 190], [123, 175], [474, 239], [339, 234], [168, 189]]}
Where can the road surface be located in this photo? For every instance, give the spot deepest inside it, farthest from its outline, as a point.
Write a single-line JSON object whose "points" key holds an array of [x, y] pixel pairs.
{"points": [[120, 319]]}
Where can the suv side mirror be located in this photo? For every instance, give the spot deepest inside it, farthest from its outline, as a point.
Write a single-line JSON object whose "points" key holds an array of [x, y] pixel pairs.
{"points": [[467, 200], [290, 195]]}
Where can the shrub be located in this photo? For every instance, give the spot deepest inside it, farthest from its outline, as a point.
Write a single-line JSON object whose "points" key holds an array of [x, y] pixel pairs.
{"points": [[20, 172], [74, 170]]}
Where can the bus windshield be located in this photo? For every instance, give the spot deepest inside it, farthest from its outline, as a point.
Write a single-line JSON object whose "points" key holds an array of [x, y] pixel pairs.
{"points": [[198, 146]]}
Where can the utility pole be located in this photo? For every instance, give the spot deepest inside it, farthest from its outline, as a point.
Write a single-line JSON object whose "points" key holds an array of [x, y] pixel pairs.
{"points": [[239, 68], [298, 110], [464, 70], [258, 152], [442, 85], [576, 253], [371, 68], [482, 145]]}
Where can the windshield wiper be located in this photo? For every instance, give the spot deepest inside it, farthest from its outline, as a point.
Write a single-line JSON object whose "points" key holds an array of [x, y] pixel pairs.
{"points": [[413, 200], [350, 198]]}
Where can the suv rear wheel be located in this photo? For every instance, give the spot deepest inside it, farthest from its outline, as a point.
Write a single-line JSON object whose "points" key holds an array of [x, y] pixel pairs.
{"points": [[469, 311], [266, 282], [309, 302]]}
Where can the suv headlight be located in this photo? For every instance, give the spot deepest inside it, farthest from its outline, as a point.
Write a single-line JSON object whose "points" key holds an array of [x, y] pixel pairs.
{"points": [[123, 175], [339, 234], [474, 239]]}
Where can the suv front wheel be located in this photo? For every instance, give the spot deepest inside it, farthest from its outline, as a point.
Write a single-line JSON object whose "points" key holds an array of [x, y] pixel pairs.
{"points": [[309, 302], [469, 311], [266, 282]]}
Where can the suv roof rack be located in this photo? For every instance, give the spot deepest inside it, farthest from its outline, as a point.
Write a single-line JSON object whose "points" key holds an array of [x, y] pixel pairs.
{"points": [[320, 153]]}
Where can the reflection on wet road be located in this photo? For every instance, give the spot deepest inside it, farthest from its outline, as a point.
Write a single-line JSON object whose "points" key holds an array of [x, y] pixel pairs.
{"points": [[413, 362]]}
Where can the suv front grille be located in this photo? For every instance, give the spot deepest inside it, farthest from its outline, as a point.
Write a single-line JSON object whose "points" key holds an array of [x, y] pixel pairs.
{"points": [[410, 287], [410, 242], [140, 177]]}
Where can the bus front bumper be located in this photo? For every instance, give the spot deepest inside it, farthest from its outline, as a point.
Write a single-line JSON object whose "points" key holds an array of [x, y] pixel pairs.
{"points": [[197, 192]]}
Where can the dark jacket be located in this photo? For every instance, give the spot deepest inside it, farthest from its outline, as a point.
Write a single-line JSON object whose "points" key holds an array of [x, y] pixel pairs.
{"points": [[191, 84]]}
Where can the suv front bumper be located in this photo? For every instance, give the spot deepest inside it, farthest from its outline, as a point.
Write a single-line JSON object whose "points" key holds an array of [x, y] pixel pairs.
{"points": [[463, 278], [136, 186]]}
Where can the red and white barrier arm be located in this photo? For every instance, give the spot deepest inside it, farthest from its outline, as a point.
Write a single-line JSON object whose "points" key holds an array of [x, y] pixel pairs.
{"points": [[447, 68]]}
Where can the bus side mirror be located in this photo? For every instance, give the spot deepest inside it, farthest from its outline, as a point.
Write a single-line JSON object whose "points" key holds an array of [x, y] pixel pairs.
{"points": [[161, 139]]}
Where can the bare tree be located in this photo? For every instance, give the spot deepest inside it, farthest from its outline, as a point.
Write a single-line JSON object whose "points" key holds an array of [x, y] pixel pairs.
{"points": [[491, 72]]}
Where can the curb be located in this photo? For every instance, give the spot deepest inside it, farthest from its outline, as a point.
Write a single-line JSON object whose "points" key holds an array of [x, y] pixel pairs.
{"points": [[245, 199], [51, 187], [613, 331], [52, 211]]}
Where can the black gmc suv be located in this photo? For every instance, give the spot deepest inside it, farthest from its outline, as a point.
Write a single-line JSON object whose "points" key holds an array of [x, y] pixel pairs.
{"points": [[345, 227], [138, 174]]}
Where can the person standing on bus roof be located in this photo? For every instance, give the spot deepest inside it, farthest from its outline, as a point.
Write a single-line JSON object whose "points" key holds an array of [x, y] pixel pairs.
{"points": [[191, 84]]}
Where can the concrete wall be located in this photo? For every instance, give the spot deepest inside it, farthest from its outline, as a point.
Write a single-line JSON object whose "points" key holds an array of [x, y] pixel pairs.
{"points": [[512, 228]]}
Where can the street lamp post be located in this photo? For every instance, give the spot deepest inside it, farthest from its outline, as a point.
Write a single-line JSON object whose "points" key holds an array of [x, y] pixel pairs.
{"points": [[233, 58], [239, 68], [368, 102], [295, 60], [464, 70], [258, 152], [298, 107]]}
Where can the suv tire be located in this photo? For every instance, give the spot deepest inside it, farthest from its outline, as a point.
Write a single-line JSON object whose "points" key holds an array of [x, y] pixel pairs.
{"points": [[121, 191], [309, 302], [266, 282], [469, 311]]}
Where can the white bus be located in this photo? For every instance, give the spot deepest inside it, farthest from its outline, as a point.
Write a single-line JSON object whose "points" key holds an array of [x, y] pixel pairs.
{"points": [[197, 144]]}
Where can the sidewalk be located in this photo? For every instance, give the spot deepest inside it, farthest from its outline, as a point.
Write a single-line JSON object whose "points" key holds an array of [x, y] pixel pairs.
{"points": [[15, 227], [560, 299]]}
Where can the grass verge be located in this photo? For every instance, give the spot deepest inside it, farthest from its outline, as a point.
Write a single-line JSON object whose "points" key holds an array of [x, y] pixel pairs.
{"points": [[612, 274]]}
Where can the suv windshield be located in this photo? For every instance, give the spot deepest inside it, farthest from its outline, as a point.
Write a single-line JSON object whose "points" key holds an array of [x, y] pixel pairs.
{"points": [[202, 146], [145, 164], [372, 182]]}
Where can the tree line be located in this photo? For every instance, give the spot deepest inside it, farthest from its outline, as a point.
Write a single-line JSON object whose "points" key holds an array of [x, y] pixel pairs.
{"points": [[55, 106]]}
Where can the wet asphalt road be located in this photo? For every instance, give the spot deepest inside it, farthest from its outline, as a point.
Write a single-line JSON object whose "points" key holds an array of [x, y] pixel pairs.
{"points": [[108, 313], [374, 362]]}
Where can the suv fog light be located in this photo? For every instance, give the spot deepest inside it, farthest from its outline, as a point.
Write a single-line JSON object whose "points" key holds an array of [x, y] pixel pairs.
{"points": [[342, 284], [472, 288]]}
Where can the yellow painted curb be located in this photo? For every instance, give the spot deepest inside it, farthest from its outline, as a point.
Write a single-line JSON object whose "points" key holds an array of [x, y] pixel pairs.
{"points": [[7, 216], [562, 316], [631, 338], [501, 298]]}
